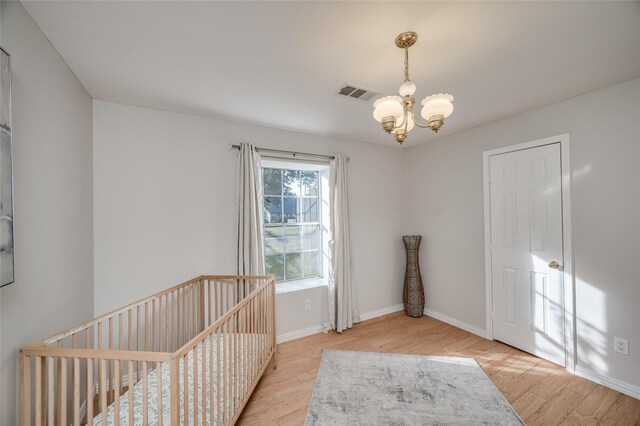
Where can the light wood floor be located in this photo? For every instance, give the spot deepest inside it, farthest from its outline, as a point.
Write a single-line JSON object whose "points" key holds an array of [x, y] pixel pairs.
{"points": [[541, 392]]}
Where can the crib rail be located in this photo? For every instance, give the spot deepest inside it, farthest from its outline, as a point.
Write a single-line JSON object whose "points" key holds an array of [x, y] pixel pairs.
{"points": [[225, 323]]}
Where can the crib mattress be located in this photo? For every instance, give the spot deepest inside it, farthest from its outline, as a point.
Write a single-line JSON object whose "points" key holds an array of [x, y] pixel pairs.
{"points": [[244, 344]]}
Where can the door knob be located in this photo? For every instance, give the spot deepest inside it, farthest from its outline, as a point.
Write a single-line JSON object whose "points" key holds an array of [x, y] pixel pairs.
{"points": [[554, 265]]}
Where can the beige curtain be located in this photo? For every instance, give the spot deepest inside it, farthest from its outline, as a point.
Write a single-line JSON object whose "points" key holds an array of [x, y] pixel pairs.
{"points": [[343, 295], [250, 232]]}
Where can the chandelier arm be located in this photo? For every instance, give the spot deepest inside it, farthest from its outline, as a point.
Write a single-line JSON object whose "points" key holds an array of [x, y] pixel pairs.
{"points": [[405, 120], [422, 126]]}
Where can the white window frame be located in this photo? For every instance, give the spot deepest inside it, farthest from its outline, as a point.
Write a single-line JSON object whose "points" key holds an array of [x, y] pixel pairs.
{"points": [[322, 169]]}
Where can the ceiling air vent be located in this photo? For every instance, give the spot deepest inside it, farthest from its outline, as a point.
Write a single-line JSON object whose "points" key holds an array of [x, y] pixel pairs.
{"points": [[356, 92]]}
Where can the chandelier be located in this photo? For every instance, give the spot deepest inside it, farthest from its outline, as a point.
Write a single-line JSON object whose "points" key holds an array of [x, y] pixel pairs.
{"points": [[395, 113]]}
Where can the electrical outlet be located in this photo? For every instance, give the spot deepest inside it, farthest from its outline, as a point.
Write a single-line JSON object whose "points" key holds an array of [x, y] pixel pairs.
{"points": [[307, 304], [621, 345]]}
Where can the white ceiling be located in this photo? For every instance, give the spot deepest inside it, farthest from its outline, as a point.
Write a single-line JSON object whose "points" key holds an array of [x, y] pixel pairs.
{"points": [[280, 64]]}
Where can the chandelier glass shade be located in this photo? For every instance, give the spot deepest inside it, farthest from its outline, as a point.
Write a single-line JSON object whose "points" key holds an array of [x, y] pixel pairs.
{"points": [[395, 113]]}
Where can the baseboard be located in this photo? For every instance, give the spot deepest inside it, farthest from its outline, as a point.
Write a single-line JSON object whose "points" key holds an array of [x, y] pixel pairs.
{"points": [[615, 384], [298, 334], [456, 323], [381, 312]]}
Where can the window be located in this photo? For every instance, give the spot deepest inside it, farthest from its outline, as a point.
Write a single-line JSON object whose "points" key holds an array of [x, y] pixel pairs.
{"points": [[292, 234]]}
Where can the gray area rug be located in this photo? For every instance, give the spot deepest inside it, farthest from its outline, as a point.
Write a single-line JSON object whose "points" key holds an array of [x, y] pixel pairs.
{"points": [[366, 388]]}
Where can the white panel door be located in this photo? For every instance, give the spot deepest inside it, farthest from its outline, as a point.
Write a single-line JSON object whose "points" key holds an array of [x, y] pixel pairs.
{"points": [[526, 236]]}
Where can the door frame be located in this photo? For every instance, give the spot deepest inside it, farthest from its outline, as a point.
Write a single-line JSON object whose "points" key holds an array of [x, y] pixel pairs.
{"points": [[567, 242]]}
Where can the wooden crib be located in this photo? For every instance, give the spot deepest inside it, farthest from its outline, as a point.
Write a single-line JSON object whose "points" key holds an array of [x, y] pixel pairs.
{"points": [[191, 354]]}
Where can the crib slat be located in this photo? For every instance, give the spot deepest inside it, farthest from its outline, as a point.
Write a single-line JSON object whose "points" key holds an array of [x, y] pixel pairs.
{"points": [[153, 325], [25, 388], [203, 369], [110, 375], [62, 396], [226, 350], [177, 326], [209, 305], [248, 340], [223, 300], [116, 396], [89, 391], [145, 394], [146, 326], [130, 330], [211, 370], [167, 345], [194, 357], [186, 311], [265, 322], [216, 299], [174, 389], [120, 330], [103, 390], [252, 338], [60, 344], [193, 310], [261, 313], [38, 390], [76, 392], [219, 371], [189, 312], [185, 387], [258, 335], [200, 305], [99, 325], [243, 349], [137, 341], [255, 342], [272, 302], [173, 321], [234, 355], [51, 398], [131, 384], [159, 392]]}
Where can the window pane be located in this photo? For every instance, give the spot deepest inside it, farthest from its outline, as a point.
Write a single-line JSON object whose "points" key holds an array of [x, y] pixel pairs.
{"points": [[291, 210], [291, 182], [293, 266], [310, 183], [309, 209], [311, 264], [292, 239], [273, 245], [310, 234], [272, 210], [274, 265], [273, 232], [272, 181]]}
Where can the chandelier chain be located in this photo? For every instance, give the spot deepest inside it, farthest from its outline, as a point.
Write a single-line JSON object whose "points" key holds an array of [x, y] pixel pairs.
{"points": [[406, 63]]}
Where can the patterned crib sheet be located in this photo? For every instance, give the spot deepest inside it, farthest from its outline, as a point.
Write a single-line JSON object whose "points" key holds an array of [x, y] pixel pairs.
{"points": [[246, 353]]}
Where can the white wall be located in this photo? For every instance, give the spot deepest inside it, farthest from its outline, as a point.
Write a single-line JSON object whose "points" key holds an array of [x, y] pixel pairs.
{"points": [[446, 207], [53, 198], [165, 211]]}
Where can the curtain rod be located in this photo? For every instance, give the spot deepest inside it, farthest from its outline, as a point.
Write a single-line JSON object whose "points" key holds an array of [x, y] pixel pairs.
{"points": [[283, 151]]}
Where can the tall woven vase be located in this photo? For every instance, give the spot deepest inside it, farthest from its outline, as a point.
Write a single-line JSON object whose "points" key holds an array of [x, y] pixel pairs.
{"points": [[413, 294]]}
